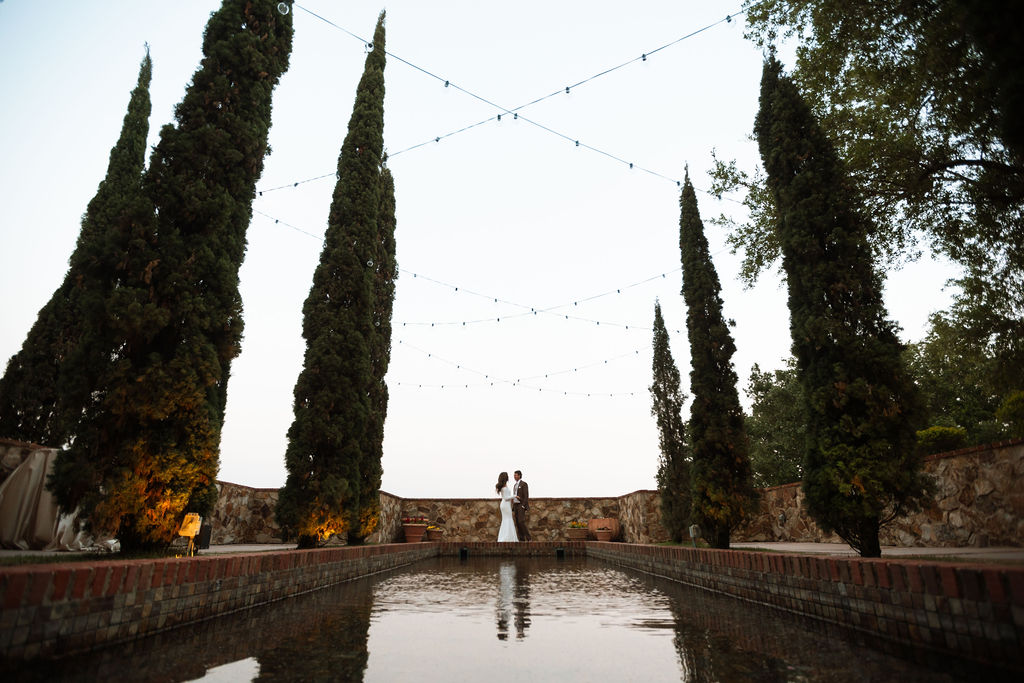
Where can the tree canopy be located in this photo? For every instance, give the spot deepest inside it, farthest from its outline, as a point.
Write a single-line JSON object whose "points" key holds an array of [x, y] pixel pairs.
{"points": [[667, 399], [146, 447], [923, 102], [860, 405], [333, 453], [720, 471], [776, 425]]}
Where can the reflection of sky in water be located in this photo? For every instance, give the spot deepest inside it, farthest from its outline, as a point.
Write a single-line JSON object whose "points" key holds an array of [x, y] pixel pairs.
{"points": [[496, 619], [247, 669], [561, 621]]}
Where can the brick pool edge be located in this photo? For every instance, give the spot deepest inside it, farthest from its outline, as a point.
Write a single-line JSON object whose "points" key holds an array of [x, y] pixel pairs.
{"points": [[969, 611], [973, 612]]}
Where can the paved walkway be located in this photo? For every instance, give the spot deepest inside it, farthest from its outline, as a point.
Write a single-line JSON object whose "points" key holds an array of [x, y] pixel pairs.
{"points": [[1001, 554]]}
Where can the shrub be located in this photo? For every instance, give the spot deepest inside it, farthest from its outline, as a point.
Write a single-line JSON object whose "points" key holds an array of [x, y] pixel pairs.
{"points": [[1012, 413], [940, 439]]}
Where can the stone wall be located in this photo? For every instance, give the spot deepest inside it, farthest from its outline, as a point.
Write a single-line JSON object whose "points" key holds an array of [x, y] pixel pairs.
{"points": [[478, 519], [245, 515], [978, 502]]}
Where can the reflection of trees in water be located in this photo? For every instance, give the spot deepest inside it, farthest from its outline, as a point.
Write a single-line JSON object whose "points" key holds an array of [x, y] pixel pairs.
{"points": [[338, 636], [718, 638], [334, 622], [513, 599]]}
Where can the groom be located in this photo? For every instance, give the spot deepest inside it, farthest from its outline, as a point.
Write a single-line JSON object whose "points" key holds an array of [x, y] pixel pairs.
{"points": [[521, 506]]}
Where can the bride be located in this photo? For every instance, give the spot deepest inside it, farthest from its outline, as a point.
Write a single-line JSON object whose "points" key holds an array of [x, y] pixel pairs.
{"points": [[507, 531]]}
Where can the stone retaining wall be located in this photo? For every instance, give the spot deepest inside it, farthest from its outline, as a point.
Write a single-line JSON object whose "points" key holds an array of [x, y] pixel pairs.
{"points": [[979, 502], [59, 609], [245, 515], [972, 612]]}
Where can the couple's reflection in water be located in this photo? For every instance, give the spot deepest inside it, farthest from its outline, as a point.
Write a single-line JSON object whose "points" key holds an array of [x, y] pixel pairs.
{"points": [[513, 599]]}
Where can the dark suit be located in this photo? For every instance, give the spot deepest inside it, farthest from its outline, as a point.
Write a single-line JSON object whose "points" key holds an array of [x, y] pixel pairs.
{"points": [[521, 510]]}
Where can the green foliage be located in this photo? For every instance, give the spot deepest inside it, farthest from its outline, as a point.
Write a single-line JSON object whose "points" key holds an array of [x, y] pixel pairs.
{"points": [[959, 378], [860, 467], [776, 426], [164, 332], [384, 292], [333, 454], [938, 439], [721, 482], [667, 399], [923, 103], [46, 383], [1012, 413]]}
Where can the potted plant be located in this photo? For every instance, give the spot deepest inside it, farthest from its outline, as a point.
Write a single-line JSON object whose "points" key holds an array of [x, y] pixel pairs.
{"points": [[414, 528], [603, 533], [577, 531], [434, 533]]}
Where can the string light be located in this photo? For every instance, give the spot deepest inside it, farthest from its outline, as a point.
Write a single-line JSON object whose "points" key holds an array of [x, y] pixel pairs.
{"points": [[528, 310], [490, 380], [514, 111]]}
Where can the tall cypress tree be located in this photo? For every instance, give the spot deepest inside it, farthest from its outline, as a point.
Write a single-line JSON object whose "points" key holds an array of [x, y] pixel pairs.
{"points": [[386, 271], [148, 451], [331, 464], [32, 405], [667, 398], [861, 406], [720, 473]]}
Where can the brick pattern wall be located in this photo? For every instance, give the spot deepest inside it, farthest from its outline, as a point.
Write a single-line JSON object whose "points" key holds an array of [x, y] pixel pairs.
{"points": [[972, 612], [68, 608], [967, 611]]}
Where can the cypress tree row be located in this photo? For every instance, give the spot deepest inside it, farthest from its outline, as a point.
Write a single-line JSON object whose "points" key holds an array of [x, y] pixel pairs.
{"points": [[667, 398], [147, 451], [32, 405], [332, 456], [720, 474], [861, 406]]}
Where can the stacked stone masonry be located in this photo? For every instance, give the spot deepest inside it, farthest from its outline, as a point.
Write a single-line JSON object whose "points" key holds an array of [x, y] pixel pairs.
{"points": [[978, 502]]}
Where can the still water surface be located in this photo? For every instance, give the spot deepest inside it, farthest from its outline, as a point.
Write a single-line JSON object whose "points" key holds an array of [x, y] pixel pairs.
{"points": [[495, 619]]}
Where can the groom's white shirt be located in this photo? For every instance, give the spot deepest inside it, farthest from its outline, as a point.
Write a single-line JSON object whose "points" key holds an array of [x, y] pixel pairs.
{"points": [[515, 488]]}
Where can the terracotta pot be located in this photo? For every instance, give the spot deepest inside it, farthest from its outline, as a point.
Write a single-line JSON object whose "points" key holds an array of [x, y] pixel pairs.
{"points": [[434, 534], [604, 522], [577, 534], [414, 532], [603, 534]]}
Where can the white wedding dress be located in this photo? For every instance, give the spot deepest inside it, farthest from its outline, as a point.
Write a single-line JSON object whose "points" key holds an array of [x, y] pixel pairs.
{"points": [[507, 531]]}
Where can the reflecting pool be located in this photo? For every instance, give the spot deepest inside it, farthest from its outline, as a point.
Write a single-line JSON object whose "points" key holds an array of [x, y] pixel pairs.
{"points": [[497, 619]]}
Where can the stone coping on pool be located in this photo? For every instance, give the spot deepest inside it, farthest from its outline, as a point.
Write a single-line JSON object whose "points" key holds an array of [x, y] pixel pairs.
{"points": [[970, 611]]}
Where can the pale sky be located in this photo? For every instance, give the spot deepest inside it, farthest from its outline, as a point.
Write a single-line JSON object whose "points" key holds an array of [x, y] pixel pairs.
{"points": [[492, 222]]}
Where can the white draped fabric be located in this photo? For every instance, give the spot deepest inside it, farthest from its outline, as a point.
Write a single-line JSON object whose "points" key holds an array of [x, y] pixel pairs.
{"points": [[29, 517]]}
